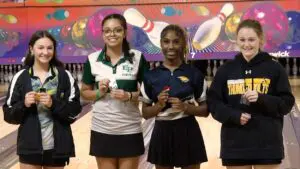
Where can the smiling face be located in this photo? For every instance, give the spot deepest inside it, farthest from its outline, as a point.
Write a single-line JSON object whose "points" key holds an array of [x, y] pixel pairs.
{"points": [[250, 38], [172, 45], [42, 50], [113, 33], [249, 42]]}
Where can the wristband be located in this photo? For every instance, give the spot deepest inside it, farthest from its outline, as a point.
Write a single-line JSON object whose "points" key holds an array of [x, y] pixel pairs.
{"points": [[98, 96]]}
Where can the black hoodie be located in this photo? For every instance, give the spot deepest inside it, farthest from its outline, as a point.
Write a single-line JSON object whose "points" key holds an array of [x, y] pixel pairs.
{"points": [[261, 137]]}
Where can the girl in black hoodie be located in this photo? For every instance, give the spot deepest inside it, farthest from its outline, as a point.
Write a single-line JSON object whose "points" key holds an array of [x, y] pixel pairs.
{"points": [[249, 96]]}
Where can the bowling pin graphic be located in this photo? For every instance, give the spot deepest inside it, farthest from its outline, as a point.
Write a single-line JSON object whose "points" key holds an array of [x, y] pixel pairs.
{"points": [[208, 69], [209, 31], [10, 73], [79, 73], [1, 73], [287, 67], [215, 68], [221, 62], [295, 69], [151, 28]]}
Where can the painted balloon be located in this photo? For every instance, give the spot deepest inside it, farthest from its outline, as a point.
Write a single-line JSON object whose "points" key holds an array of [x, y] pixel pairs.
{"points": [[94, 27], [273, 20], [231, 25], [79, 33]]}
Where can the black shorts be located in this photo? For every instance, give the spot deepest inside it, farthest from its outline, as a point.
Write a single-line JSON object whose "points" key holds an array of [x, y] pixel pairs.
{"points": [[177, 143], [241, 162], [45, 159], [116, 146]]}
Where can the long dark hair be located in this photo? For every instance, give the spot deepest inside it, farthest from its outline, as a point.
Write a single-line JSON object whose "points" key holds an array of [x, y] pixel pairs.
{"points": [[29, 59], [125, 44], [181, 33]]}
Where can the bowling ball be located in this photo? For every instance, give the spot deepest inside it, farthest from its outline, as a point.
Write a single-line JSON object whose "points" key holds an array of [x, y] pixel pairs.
{"points": [[94, 27], [66, 33], [294, 27], [231, 25], [79, 33], [273, 20]]}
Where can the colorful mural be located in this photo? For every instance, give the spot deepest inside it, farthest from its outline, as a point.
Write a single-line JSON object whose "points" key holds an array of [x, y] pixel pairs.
{"points": [[210, 27], [109, 2], [12, 3]]}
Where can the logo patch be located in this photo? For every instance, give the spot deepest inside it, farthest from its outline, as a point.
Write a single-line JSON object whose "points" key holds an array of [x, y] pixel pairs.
{"points": [[184, 79], [127, 68]]}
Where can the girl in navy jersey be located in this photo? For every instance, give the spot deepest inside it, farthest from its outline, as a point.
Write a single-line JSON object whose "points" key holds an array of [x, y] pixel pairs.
{"points": [[174, 93]]}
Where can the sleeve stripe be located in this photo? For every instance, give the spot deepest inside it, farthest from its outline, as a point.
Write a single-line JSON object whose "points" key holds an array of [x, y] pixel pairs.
{"points": [[72, 83], [203, 95], [145, 98], [12, 87]]}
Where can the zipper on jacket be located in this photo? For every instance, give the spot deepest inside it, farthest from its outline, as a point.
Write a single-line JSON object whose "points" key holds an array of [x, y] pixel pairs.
{"points": [[43, 158], [41, 139]]}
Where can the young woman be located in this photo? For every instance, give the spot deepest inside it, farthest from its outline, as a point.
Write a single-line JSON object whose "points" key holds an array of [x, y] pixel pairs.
{"points": [[111, 79], [44, 99], [170, 92], [249, 96]]}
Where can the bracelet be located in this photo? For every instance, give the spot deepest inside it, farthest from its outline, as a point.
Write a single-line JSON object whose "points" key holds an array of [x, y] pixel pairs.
{"points": [[98, 95]]}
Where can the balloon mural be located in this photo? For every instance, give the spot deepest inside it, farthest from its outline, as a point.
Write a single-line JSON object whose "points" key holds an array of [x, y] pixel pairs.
{"points": [[82, 36]]}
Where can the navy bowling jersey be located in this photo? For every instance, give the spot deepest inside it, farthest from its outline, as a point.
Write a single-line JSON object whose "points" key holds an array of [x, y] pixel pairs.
{"points": [[186, 83]]}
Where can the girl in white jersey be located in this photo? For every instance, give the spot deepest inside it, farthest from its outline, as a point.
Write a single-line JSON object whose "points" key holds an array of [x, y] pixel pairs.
{"points": [[111, 79]]}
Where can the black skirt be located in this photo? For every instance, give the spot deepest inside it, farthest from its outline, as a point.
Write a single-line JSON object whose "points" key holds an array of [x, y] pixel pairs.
{"points": [[177, 143], [45, 159], [116, 146], [242, 162]]}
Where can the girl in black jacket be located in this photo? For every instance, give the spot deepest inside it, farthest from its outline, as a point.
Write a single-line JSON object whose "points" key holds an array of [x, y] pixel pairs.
{"points": [[43, 99], [249, 96]]}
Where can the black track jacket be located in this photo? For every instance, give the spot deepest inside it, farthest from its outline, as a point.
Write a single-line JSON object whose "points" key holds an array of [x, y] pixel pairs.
{"points": [[65, 108]]}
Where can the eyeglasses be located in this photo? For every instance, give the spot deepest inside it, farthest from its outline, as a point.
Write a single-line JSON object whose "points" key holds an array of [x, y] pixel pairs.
{"points": [[116, 31]]}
